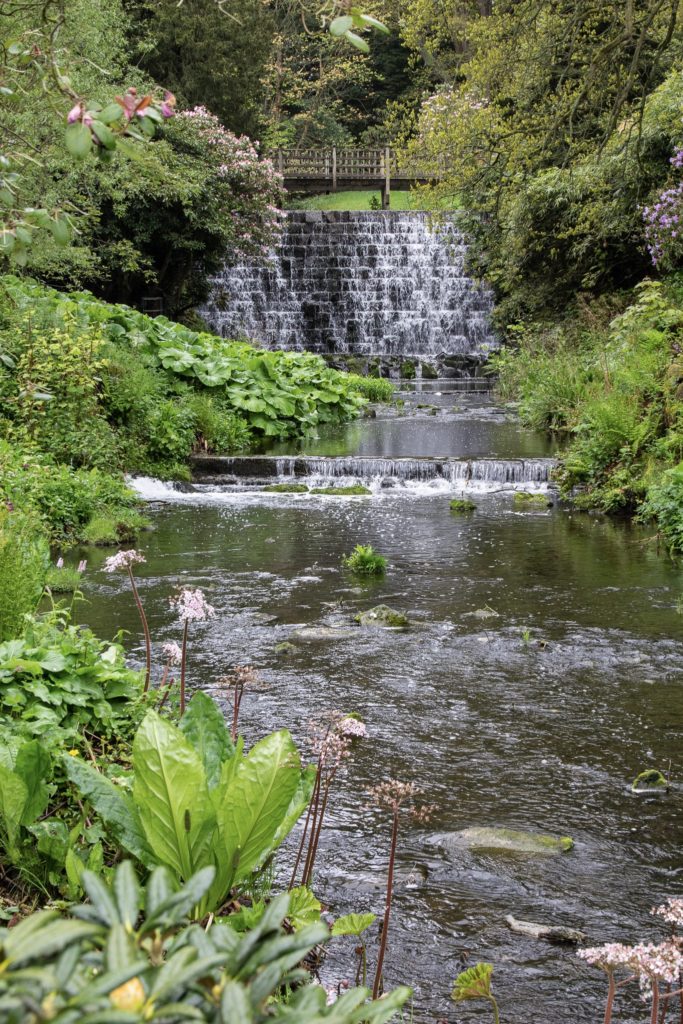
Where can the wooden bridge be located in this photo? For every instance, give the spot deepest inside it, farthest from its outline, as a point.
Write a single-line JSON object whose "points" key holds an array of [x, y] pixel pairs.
{"points": [[334, 169]]}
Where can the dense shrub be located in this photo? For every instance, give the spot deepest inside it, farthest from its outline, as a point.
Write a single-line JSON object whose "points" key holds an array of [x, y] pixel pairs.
{"points": [[614, 388]]}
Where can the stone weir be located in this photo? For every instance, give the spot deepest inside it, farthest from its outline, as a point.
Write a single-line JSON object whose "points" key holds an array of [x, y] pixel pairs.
{"points": [[384, 284], [460, 472]]}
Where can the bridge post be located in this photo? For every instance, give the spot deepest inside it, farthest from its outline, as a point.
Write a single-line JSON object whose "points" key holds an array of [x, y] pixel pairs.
{"points": [[334, 168], [386, 191]]}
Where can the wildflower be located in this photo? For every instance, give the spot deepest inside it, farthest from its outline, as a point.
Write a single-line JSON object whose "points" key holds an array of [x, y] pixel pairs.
{"points": [[75, 114], [123, 560], [609, 956], [672, 910], [82, 565], [173, 653], [60, 563], [353, 728], [73, 753], [191, 605]]}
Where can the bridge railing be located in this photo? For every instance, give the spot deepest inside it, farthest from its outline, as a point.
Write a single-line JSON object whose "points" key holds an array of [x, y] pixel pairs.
{"points": [[332, 163]]}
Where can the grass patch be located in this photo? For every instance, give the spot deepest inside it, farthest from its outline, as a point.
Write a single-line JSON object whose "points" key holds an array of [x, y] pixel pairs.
{"points": [[462, 505], [64, 580], [360, 200], [364, 561], [354, 489], [286, 489], [524, 499]]}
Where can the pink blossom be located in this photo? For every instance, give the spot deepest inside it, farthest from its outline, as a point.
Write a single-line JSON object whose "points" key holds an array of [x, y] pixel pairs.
{"points": [[123, 560], [60, 563], [75, 114], [353, 728], [82, 565], [173, 653], [191, 605], [671, 911]]}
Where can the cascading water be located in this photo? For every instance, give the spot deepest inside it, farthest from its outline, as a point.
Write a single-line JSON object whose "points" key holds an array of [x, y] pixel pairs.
{"points": [[380, 283]]}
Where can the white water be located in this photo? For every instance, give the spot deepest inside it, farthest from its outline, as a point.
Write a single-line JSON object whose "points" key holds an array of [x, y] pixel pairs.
{"points": [[361, 283]]}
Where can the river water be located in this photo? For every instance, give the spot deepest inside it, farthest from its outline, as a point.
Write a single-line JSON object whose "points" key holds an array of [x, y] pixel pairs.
{"points": [[536, 717]]}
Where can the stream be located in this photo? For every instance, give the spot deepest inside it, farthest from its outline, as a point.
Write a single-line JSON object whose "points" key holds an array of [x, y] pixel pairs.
{"points": [[540, 673]]}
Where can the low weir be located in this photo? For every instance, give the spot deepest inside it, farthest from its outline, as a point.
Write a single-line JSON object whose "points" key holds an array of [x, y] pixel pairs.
{"points": [[460, 472], [388, 284]]}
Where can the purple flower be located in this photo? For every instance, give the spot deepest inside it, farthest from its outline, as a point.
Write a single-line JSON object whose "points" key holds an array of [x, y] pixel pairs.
{"points": [[75, 114], [82, 565]]}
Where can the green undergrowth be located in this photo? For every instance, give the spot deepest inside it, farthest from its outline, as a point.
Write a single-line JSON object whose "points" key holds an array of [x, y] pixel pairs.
{"points": [[99, 385], [609, 380], [350, 491]]}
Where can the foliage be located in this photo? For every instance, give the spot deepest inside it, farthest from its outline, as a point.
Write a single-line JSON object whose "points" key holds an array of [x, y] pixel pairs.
{"points": [[58, 680], [108, 962], [475, 983], [64, 501], [161, 390], [364, 561], [353, 490], [555, 152], [24, 561], [461, 505], [375, 389], [614, 387], [196, 801]]}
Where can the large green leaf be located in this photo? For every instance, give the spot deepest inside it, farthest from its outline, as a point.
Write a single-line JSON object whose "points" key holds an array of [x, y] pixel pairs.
{"points": [[13, 800], [172, 796], [256, 801], [32, 766], [299, 802], [204, 726], [113, 805]]}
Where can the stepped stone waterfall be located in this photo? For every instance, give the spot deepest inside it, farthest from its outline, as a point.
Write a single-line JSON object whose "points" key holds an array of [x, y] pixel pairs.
{"points": [[357, 283]]}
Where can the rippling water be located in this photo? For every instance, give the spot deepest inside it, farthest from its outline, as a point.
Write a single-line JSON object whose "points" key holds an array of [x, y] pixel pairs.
{"points": [[537, 718]]}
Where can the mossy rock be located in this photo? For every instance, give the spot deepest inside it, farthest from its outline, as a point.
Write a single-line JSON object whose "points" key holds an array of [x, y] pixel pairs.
{"points": [[429, 372], [507, 840], [286, 489], [383, 616], [121, 526], [526, 499], [285, 647], [342, 492], [650, 781], [101, 531], [461, 505], [407, 370]]}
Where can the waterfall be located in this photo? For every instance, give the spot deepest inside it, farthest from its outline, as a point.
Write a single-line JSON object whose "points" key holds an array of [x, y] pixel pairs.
{"points": [[357, 283]]}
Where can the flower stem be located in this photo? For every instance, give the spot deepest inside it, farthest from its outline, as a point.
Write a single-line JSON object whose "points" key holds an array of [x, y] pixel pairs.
{"points": [[183, 663], [610, 998], [387, 909], [145, 629], [316, 784]]}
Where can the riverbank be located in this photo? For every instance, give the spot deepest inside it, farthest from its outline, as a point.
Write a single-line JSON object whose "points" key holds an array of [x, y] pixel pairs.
{"points": [[607, 380]]}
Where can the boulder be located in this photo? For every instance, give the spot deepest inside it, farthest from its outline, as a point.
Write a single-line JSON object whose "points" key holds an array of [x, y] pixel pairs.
{"points": [[383, 616], [504, 840], [321, 633], [650, 781]]}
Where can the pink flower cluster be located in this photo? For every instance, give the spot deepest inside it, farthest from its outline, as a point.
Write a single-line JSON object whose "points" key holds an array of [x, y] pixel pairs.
{"points": [[192, 606], [671, 911], [123, 560], [249, 191], [353, 728], [172, 653]]}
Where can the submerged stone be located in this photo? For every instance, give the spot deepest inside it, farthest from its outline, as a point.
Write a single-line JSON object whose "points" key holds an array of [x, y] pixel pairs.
{"points": [[506, 839], [553, 933], [285, 647], [322, 633], [527, 499], [484, 613], [382, 615]]}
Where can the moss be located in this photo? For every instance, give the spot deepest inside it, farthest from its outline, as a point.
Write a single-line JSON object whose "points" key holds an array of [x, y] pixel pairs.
{"points": [[429, 372], [342, 491], [365, 561], [285, 647], [407, 370], [649, 779], [286, 489], [120, 526], [461, 505], [524, 499]]}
